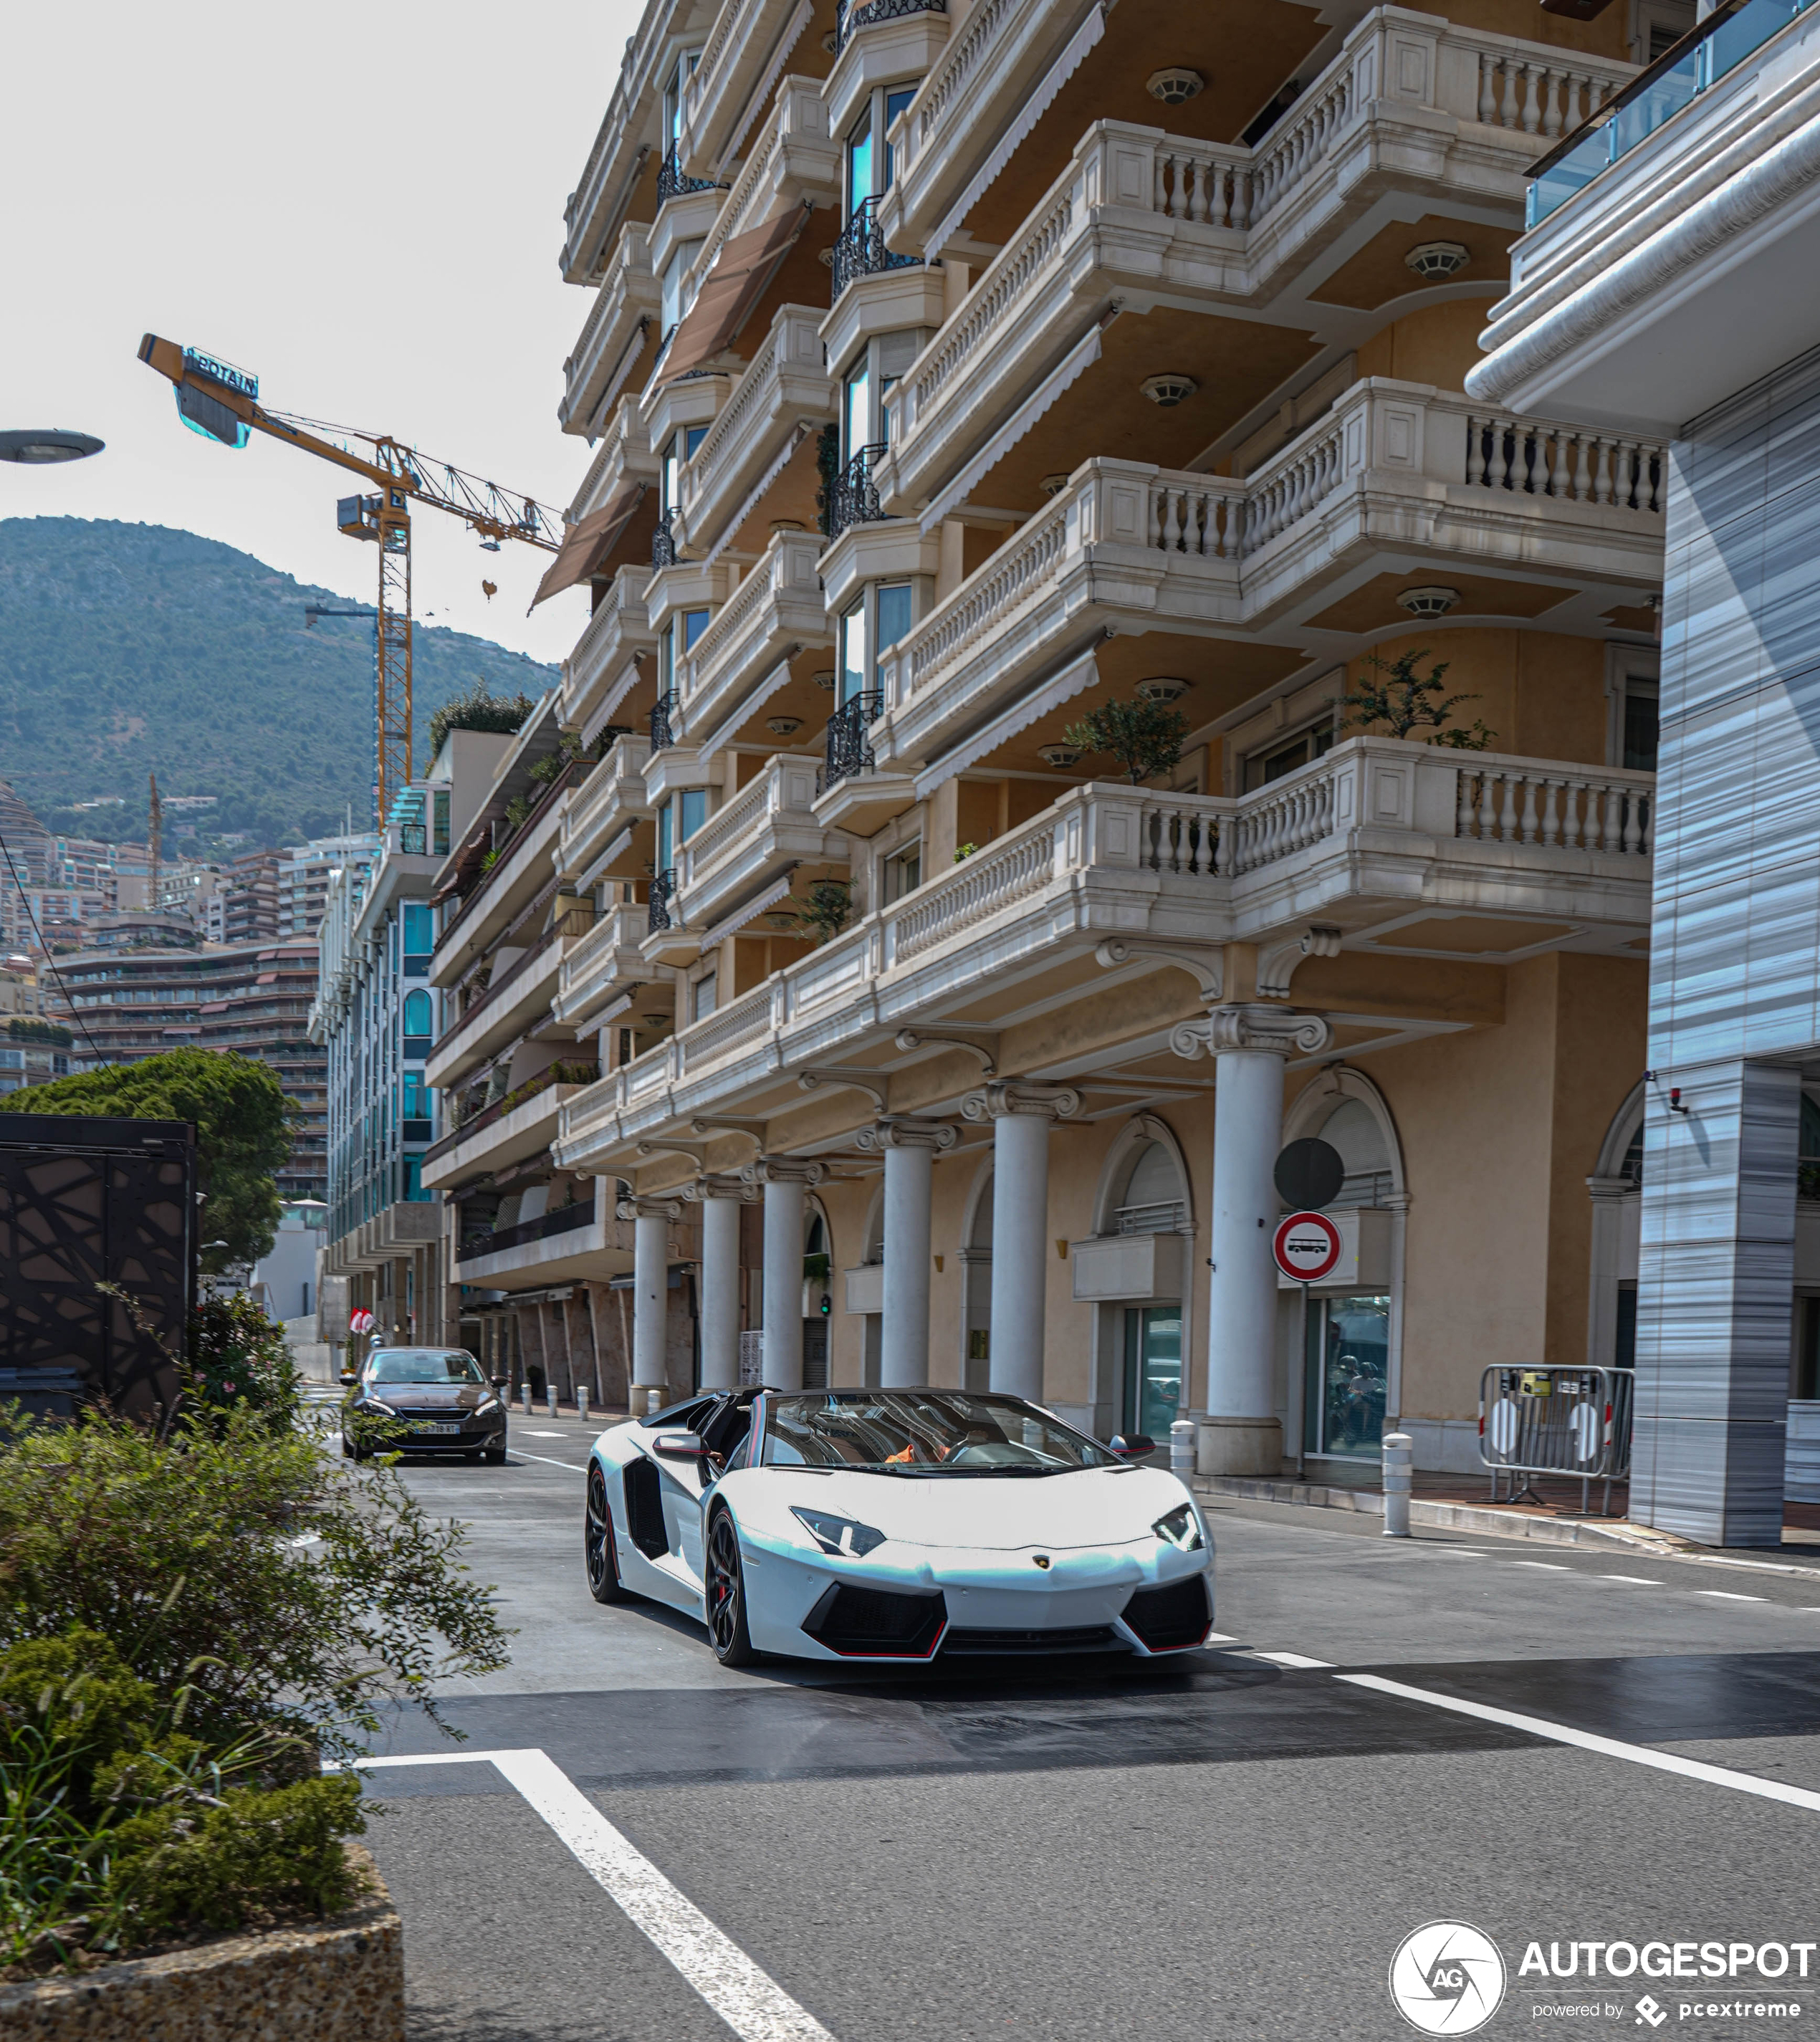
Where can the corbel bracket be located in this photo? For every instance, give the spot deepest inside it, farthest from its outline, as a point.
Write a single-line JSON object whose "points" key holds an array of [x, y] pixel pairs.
{"points": [[1207, 968], [981, 1042], [871, 1083], [1277, 963]]}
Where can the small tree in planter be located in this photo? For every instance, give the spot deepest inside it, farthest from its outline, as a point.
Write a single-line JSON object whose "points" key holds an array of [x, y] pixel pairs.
{"points": [[822, 915], [1406, 703], [1146, 737]]}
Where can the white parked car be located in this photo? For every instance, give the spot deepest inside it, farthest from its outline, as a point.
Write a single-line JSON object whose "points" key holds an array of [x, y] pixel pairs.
{"points": [[895, 1524]]}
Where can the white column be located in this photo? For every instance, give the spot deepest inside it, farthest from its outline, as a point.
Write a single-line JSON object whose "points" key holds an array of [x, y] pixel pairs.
{"points": [[908, 1147], [1242, 1434], [719, 1289], [786, 1184], [652, 1219], [1020, 1115]]}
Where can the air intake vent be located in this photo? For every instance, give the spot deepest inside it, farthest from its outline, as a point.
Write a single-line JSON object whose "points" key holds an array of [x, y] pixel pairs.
{"points": [[878, 1623], [1171, 1619]]}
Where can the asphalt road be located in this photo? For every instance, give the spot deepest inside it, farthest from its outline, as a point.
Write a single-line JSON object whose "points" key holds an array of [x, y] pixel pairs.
{"points": [[1230, 1848]]}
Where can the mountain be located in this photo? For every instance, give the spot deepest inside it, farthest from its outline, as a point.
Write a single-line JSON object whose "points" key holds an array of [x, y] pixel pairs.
{"points": [[132, 649]]}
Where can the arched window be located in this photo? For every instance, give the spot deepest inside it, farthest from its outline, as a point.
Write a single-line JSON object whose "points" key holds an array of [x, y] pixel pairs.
{"points": [[418, 1012], [1355, 1131], [1152, 1199]]}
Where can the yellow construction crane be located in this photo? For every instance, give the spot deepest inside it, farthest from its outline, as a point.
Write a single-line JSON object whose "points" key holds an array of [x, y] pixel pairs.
{"points": [[222, 403]]}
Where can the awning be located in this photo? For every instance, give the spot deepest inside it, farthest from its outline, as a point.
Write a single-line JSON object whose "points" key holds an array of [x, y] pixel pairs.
{"points": [[1032, 111], [1075, 364], [730, 290], [730, 924], [588, 541], [1076, 674], [757, 490]]}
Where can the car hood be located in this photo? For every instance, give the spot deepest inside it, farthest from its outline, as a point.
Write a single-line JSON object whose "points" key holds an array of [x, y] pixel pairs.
{"points": [[1055, 1512], [427, 1396]]}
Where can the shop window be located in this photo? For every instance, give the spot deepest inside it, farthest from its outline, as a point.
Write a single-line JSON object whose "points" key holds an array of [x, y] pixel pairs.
{"points": [[1153, 1369], [1346, 1375]]}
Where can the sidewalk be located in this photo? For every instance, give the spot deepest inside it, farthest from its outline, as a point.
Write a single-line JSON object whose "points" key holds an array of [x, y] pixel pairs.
{"points": [[1462, 1503]]}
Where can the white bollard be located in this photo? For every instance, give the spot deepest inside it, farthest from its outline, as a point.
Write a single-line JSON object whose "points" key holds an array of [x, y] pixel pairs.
{"points": [[550, 1397], [1399, 1480], [526, 1388], [581, 1402], [1182, 1447]]}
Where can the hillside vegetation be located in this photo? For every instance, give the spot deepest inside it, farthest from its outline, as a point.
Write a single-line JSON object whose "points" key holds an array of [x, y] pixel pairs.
{"points": [[130, 649]]}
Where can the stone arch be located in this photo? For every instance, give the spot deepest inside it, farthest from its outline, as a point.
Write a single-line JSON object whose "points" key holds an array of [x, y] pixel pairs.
{"points": [[1145, 1148]]}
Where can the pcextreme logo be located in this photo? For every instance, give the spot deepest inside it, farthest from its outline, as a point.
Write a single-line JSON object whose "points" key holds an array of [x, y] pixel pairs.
{"points": [[1447, 1978]]}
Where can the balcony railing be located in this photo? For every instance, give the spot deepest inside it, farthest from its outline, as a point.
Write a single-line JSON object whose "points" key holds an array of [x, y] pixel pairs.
{"points": [[849, 738], [671, 182], [847, 19], [662, 893], [662, 730], [565, 1219], [572, 921], [663, 542], [853, 491], [859, 251]]}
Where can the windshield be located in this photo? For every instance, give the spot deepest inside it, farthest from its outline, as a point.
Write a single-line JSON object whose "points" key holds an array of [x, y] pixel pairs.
{"points": [[923, 1433], [424, 1364]]}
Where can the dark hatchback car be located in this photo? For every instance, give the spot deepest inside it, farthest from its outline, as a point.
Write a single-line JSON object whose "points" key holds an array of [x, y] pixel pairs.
{"points": [[423, 1400]]}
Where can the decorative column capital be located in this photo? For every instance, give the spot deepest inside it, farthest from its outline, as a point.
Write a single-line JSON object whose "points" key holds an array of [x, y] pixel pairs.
{"points": [[1003, 1096], [669, 1210], [783, 1170], [902, 1132], [712, 1185], [1268, 1029]]}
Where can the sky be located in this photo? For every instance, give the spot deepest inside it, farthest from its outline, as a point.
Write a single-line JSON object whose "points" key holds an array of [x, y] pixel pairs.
{"points": [[360, 202]]}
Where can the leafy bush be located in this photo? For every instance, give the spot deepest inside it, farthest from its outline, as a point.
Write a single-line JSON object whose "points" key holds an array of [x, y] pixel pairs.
{"points": [[239, 1357], [22, 1030], [1406, 702], [308, 1593], [1146, 737], [479, 708], [244, 1125]]}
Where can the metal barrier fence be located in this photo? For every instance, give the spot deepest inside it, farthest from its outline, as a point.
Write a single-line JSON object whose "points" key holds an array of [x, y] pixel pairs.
{"points": [[1568, 1421]]}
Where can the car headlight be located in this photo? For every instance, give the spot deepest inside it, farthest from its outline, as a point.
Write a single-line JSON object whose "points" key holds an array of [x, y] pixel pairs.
{"points": [[1181, 1528], [385, 1410], [486, 1404], [838, 1535]]}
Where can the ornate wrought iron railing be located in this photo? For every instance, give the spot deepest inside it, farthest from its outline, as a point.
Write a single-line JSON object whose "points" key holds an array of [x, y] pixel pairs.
{"points": [[853, 492], [662, 893], [860, 250], [849, 740], [672, 184], [847, 19], [664, 543], [662, 736]]}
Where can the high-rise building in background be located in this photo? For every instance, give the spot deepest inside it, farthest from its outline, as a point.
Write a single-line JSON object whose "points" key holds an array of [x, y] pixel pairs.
{"points": [[1033, 488]]}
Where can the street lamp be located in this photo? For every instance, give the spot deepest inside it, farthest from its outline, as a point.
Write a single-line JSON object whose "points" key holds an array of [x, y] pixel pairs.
{"points": [[46, 448]]}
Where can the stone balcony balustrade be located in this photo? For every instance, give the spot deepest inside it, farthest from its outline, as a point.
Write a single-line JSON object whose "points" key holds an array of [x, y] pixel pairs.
{"points": [[600, 670], [1495, 93], [1379, 834], [777, 609], [628, 299], [493, 1140], [752, 841], [603, 812], [783, 393], [604, 963], [522, 992], [1412, 105], [628, 136], [790, 158], [510, 890], [1401, 469]]}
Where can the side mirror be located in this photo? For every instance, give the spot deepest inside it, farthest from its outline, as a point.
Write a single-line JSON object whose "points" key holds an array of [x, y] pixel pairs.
{"points": [[1132, 1446], [499, 1381], [349, 1377], [677, 1446]]}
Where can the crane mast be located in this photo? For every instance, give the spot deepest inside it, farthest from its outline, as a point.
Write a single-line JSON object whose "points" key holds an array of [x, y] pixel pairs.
{"points": [[222, 403]]}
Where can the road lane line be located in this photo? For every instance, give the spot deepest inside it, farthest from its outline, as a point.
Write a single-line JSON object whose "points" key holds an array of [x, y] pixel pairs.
{"points": [[1295, 1660], [1726, 1595], [1609, 1747], [1553, 1566], [748, 1999], [1642, 1581], [575, 1467]]}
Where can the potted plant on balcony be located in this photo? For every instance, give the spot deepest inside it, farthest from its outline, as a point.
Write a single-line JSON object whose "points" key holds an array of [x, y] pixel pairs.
{"points": [[1146, 737], [1405, 702]]}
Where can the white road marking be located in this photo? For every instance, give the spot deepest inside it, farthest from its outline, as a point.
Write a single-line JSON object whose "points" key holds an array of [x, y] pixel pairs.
{"points": [[1726, 1595], [576, 1466], [1553, 1566], [1609, 1747], [1642, 1581], [546, 1436], [749, 2000], [1293, 1659], [1221, 1638]]}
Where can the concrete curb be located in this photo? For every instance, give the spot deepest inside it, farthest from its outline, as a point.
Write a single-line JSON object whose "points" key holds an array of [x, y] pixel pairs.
{"points": [[1449, 1516], [343, 1981]]}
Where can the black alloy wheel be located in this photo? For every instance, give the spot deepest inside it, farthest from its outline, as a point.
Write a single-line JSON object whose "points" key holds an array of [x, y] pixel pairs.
{"points": [[603, 1582], [726, 1594]]}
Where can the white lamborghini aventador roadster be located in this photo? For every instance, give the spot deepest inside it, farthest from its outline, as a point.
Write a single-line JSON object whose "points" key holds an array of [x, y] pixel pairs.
{"points": [[893, 1524]]}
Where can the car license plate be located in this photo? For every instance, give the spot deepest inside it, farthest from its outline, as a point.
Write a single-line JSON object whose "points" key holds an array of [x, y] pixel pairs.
{"points": [[435, 1426]]}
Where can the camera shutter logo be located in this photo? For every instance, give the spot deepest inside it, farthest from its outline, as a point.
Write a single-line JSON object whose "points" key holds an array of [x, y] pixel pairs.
{"points": [[1447, 1978]]}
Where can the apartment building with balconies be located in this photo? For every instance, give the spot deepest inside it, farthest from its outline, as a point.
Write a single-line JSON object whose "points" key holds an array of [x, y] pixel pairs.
{"points": [[1013, 360], [1660, 291]]}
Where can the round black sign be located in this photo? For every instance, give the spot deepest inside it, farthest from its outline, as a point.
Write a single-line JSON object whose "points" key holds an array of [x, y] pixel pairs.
{"points": [[1309, 1174]]}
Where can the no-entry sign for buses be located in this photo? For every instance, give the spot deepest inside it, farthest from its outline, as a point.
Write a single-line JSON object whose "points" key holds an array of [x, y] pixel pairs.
{"points": [[1306, 1247]]}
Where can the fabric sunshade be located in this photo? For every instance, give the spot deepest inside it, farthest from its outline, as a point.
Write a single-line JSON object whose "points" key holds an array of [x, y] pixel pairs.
{"points": [[729, 924], [588, 541], [730, 290]]}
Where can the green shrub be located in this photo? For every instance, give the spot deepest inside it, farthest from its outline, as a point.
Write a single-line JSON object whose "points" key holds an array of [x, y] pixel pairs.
{"points": [[479, 708], [239, 1357]]}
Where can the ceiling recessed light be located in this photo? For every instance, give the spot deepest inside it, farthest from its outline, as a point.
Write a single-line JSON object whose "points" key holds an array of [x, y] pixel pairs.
{"points": [[1168, 391], [1174, 85], [1053, 485], [783, 726], [1435, 261], [1427, 602], [1061, 756]]}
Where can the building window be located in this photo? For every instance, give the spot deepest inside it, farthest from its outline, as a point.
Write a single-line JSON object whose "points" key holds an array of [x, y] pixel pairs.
{"points": [[871, 162], [1286, 755], [676, 97], [1346, 1374], [702, 997], [1642, 710], [419, 1021], [670, 302], [903, 872], [680, 447], [419, 938], [871, 627], [439, 839]]}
